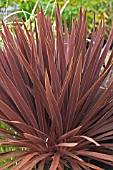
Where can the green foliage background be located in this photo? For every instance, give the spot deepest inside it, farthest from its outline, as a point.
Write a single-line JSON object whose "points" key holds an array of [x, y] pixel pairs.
{"points": [[102, 9]]}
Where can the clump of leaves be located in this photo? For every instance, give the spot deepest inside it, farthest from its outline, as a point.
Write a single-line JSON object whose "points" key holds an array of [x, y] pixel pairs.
{"points": [[56, 96]]}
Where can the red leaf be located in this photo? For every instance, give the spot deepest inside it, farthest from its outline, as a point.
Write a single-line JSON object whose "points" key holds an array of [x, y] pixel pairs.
{"points": [[74, 94], [67, 144], [55, 162], [96, 155], [53, 105]]}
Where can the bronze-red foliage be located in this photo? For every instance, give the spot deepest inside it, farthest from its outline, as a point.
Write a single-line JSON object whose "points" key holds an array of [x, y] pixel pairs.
{"points": [[56, 95]]}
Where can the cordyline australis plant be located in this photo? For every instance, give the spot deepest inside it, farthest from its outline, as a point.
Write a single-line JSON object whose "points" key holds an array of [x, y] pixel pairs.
{"points": [[56, 96]]}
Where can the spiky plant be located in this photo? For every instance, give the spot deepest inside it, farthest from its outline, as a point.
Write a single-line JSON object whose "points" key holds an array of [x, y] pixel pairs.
{"points": [[56, 96]]}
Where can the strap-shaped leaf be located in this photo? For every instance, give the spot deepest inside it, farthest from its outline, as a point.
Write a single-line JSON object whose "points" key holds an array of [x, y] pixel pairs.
{"points": [[98, 104], [9, 112], [28, 115], [11, 154], [96, 155], [65, 84], [69, 134], [35, 79], [53, 106], [55, 162], [12, 162], [53, 72], [68, 145], [35, 139], [35, 160], [41, 165], [24, 161], [74, 95]]}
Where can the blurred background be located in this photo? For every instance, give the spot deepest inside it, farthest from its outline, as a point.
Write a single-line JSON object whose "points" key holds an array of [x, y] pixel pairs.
{"points": [[26, 9]]}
